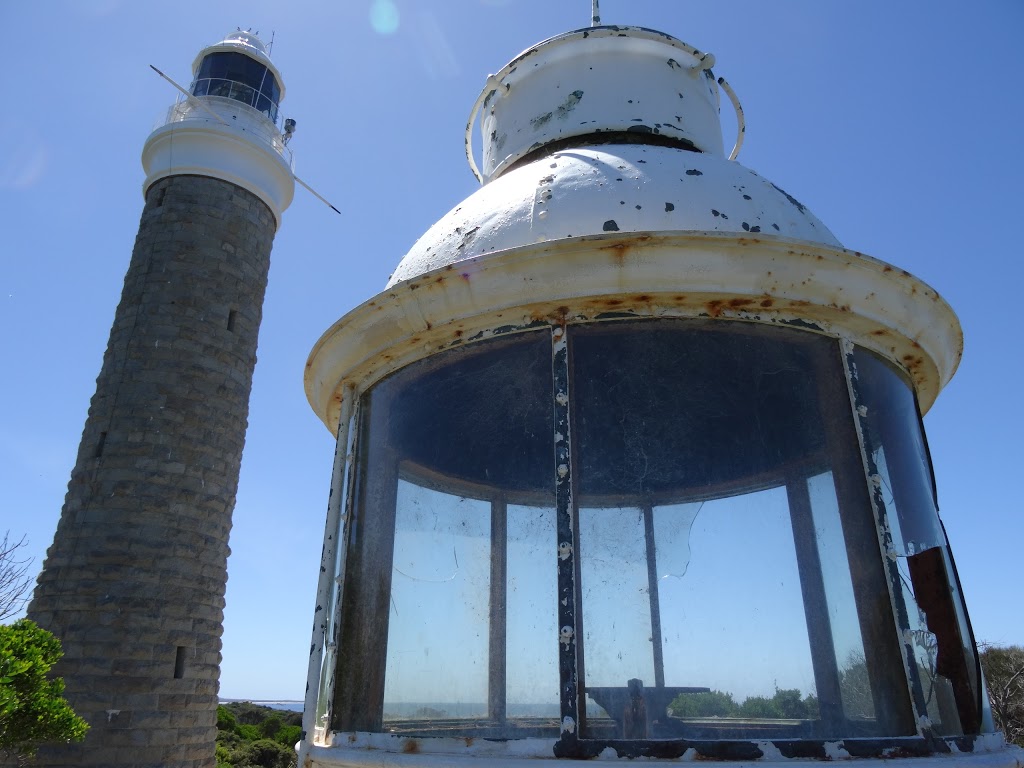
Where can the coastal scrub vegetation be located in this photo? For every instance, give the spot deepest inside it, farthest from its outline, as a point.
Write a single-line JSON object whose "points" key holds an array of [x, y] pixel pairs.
{"points": [[785, 703], [1004, 673], [32, 708], [253, 736]]}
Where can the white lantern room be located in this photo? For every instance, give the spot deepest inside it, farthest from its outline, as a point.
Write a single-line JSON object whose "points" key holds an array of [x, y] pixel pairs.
{"points": [[630, 460]]}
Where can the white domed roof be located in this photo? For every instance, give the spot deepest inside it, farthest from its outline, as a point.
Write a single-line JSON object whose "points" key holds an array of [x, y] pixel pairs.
{"points": [[611, 188]]}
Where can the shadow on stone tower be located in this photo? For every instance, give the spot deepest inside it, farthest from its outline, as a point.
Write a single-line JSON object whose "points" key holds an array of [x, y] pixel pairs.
{"points": [[134, 582]]}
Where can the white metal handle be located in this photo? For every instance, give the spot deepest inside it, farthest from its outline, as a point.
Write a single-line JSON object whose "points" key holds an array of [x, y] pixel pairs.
{"points": [[491, 86], [741, 121]]}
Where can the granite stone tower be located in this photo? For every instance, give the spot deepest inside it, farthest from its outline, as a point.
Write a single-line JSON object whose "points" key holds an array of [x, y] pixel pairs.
{"points": [[134, 582]]}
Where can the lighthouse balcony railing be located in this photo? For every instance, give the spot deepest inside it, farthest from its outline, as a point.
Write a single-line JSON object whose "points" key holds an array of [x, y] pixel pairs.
{"points": [[230, 111]]}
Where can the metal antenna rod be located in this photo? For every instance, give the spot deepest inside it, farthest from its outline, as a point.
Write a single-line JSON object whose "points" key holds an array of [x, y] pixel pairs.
{"points": [[595, 15]]}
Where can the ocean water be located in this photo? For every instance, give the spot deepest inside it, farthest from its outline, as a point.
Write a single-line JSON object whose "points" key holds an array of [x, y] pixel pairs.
{"points": [[290, 706]]}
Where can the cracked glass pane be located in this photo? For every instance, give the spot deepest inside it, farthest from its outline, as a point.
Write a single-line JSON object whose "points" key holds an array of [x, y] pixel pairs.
{"points": [[935, 624]]}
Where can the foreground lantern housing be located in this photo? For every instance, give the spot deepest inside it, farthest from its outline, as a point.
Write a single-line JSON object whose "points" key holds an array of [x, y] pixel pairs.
{"points": [[630, 458]]}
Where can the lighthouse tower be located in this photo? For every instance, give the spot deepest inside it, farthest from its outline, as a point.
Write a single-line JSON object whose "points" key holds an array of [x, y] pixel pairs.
{"points": [[134, 582], [630, 460]]}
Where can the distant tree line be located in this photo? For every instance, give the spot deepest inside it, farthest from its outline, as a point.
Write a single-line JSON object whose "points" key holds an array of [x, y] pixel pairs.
{"points": [[253, 736], [1004, 673], [785, 704]]}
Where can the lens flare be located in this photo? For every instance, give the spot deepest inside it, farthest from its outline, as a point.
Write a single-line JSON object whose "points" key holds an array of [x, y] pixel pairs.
{"points": [[384, 17]]}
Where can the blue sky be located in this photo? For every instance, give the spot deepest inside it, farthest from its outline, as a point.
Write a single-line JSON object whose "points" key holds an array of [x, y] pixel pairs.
{"points": [[896, 123]]}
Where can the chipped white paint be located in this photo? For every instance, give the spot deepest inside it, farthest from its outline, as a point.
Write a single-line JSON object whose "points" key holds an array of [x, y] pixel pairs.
{"points": [[568, 725], [333, 556], [608, 79], [834, 750], [380, 750], [614, 188], [770, 752]]}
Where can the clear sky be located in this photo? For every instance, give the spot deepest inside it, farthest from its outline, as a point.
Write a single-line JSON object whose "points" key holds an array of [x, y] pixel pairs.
{"points": [[897, 123]]}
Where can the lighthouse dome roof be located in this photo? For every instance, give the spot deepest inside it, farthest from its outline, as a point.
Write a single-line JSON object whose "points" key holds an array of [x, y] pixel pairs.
{"points": [[592, 190]]}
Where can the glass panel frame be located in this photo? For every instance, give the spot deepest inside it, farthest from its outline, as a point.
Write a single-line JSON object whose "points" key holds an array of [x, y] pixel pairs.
{"points": [[835, 438], [943, 668], [414, 432]]}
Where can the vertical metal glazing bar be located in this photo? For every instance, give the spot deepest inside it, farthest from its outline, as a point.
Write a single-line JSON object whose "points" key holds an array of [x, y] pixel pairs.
{"points": [[497, 683], [332, 561], [816, 608], [888, 551], [565, 514], [652, 593]]}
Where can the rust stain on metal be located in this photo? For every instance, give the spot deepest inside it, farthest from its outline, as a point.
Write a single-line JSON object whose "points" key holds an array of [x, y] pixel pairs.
{"points": [[411, 747]]}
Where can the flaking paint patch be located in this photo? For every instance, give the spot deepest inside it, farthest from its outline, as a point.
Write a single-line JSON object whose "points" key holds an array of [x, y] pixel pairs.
{"points": [[770, 752], [834, 750]]}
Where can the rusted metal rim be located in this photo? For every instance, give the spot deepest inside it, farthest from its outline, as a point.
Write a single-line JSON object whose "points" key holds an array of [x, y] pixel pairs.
{"points": [[766, 279]]}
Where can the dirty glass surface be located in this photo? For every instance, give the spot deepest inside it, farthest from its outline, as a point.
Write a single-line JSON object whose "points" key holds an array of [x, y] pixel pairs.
{"points": [[729, 583], [449, 599], [935, 617], [855, 688], [440, 567], [716, 583]]}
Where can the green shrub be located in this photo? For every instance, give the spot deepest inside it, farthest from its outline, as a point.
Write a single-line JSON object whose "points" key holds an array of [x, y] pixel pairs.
{"points": [[710, 704], [270, 726], [226, 720], [265, 753], [32, 709], [289, 735], [249, 732]]}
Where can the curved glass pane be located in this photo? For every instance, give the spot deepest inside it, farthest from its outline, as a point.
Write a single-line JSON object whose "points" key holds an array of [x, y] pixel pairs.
{"points": [[935, 618], [450, 596], [729, 567]]}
